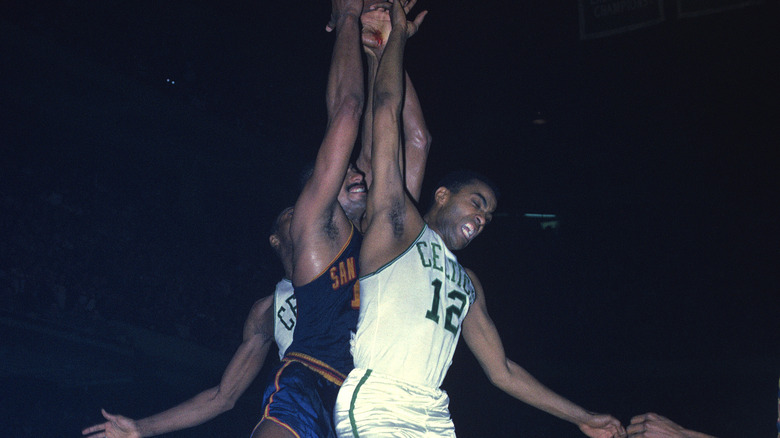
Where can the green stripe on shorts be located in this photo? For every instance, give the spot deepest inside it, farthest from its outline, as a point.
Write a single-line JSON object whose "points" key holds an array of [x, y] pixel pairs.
{"points": [[352, 403]]}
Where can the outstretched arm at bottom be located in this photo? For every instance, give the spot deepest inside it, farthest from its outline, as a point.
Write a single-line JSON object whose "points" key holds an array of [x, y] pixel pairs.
{"points": [[481, 336], [241, 371], [652, 425]]}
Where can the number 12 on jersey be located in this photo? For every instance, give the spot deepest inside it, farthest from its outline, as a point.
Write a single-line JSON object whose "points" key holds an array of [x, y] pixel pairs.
{"points": [[453, 311]]}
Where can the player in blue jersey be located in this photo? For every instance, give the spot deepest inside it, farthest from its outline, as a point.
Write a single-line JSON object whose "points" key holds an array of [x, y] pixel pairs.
{"points": [[271, 318], [416, 298], [295, 403], [326, 233]]}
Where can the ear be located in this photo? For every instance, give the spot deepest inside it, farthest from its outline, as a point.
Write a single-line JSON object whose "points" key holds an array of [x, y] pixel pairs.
{"points": [[441, 195], [274, 241]]}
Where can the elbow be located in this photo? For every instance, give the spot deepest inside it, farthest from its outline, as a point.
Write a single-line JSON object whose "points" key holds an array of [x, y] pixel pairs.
{"points": [[349, 106], [494, 380], [499, 378], [419, 139], [227, 405], [386, 101], [223, 404], [220, 401]]}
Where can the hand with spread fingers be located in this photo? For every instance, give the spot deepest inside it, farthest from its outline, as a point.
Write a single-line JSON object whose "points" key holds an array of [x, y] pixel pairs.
{"points": [[603, 426], [117, 426], [376, 25], [398, 18], [651, 425]]}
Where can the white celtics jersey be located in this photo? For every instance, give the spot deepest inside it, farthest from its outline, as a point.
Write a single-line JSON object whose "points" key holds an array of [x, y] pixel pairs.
{"points": [[285, 313], [411, 311]]}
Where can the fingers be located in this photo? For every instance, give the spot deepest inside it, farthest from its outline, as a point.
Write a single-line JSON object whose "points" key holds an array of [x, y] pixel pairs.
{"points": [[331, 22], [96, 428], [616, 427], [397, 13], [383, 4], [645, 417], [99, 427], [639, 424], [108, 416], [636, 429], [419, 19]]}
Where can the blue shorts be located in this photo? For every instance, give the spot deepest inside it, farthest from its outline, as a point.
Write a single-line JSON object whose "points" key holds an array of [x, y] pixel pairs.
{"points": [[301, 401]]}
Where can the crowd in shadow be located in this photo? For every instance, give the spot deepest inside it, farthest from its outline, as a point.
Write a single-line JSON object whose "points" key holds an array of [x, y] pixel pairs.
{"points": [[79, 254]]}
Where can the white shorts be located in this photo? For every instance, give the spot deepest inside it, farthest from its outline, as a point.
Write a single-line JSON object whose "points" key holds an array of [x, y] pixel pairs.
{"points": [[371, 405]]}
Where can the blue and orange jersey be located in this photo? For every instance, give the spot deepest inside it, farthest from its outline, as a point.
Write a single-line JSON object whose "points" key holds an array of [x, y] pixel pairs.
{"points": [[328, 310]]}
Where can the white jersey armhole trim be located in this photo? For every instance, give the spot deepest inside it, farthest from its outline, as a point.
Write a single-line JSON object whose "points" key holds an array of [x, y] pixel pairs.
{"points": [[417, 239]]}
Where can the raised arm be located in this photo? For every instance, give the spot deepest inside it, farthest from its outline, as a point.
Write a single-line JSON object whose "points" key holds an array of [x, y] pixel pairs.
{"points": [[481, 336], [417, 141], [391, 217], [316, 207], [416, 137], [239, 374]]}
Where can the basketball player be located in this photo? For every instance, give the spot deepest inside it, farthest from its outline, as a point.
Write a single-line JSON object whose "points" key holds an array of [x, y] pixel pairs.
{"points": [[272, 317], [416, 299], [326, 238]]}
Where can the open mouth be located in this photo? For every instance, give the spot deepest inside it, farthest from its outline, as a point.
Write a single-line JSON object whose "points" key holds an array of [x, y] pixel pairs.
{"points": [[356, 188], [468, 229]]}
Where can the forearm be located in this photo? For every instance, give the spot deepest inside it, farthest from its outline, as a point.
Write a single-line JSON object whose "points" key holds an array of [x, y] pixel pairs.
{"points": [[523, 386], [388, 94], [239, 374], [197, 410], [366, 139], [345, 88], [417, 140], [388, 89]]}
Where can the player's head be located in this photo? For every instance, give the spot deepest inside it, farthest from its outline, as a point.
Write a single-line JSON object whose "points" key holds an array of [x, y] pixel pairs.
{"points": [[279, 236], [353, 194], [463, 204]]}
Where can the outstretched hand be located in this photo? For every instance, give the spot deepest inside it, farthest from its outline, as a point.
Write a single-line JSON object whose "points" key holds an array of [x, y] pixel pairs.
{"points": [[603, 426], [117, 426], [652, 425], [398, 17], [376, 24]]}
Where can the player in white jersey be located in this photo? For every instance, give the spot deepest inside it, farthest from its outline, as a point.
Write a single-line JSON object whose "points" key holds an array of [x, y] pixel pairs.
{"points": [[402, 346], [415, 297], [272, 317], [285, 313]]}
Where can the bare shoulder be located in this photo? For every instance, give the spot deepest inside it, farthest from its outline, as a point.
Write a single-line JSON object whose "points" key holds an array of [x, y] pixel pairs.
{"points": [[473, 277], [260, 316], [261, 306], [475, 281]]}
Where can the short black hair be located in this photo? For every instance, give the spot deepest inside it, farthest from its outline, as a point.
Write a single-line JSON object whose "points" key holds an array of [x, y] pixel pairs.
{"points": [[455, 180]]}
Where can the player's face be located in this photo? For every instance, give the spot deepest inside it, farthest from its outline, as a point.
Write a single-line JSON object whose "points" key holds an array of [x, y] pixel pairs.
{"points": [[466, 213], [353, 191]]}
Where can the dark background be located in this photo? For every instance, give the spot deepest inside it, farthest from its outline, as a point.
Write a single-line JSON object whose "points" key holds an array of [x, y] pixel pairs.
{"points": [[147, 146]]}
